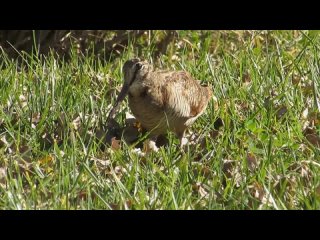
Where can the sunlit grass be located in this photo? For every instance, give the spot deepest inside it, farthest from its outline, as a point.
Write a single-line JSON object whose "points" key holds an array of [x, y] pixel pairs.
{"points": [[52, 113]]}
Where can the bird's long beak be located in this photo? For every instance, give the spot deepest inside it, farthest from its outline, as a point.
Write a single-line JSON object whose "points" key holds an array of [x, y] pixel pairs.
{"points": [[123, 93]]}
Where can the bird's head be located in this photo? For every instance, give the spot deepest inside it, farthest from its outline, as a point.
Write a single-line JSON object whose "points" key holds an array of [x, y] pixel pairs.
{"points": [[131, 70], [134, 68]]}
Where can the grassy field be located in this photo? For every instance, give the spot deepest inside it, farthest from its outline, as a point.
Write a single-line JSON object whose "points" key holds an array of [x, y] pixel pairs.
{"points": [[264, 155]]}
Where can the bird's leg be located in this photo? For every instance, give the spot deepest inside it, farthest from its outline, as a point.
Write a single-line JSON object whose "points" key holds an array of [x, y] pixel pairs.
{"points": [[182, 139]]}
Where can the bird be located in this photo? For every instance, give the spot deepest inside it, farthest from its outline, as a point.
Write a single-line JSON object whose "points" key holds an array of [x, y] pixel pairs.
{"points": [[162, 100]]}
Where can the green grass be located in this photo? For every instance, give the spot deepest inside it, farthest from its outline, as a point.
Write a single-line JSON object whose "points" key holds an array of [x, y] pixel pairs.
{"points": [[264, 82]]}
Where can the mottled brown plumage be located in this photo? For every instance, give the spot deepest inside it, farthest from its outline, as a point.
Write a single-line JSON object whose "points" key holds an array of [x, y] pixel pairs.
{"points": [[163, 100]]}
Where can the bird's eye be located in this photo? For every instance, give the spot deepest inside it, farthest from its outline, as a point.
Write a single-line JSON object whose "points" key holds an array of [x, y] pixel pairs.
{"points": [[138, 66]]}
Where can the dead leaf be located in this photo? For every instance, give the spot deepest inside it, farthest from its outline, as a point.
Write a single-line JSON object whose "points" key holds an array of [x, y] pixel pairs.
{"points": [[175, 58], [304, 119], [25, 153], [206, 172], [274, 93], [307, 89], [83, 195], [114, 206], [23, 101], [3, 175], [252, 161], [46, 160], [318, 191], [228, 166], [296, 79], [35, 118], [314, 118], [302, 169], [128, 204], [46, 140], [198, 188], [312, 137], [246, 79], [143, 161], [214, 134], [23, 149], [101, 163], [281, 111], [215, 103], [257, 191], [61, 153], [267, 102], [59, 132], [115, 144], [231, 170], [3, 142], [118, 170], [285, 181], [305, 114], [76, 123]]}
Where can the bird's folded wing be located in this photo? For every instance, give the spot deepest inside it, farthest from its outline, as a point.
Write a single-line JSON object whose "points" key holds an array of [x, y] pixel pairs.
{"points": [[184, 96]]}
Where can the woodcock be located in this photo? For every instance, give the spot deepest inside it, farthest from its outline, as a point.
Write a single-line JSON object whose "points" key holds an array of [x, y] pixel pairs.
{"points": [[163, 100]]}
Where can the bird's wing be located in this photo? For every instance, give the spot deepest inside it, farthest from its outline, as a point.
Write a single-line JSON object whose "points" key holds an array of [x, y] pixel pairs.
{"points": [[183, 95]]}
